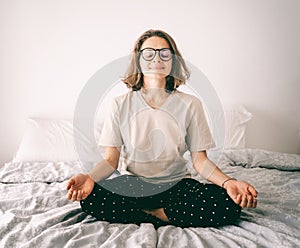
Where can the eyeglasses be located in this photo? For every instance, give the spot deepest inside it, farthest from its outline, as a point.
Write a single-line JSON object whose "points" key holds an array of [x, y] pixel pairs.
{"points": [[148, 54]]}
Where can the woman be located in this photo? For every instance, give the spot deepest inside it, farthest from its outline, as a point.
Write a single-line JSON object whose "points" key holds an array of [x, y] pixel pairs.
{"points": [[155, 124]]}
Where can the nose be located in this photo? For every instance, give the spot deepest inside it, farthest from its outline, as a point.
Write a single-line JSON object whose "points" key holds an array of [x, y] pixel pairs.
{"points": [[156, 55]]}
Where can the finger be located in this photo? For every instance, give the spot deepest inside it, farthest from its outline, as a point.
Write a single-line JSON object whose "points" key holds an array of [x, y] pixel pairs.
{"points": [[74, 195], [69, 195], [254, 204], [252, 190], [84, 195], [244, 201], [249, 201], [237, 199], [79, 195], [70, 183]]}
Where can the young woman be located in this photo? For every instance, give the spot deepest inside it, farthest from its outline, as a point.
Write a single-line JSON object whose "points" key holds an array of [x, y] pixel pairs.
{"points": [[152, 126]]}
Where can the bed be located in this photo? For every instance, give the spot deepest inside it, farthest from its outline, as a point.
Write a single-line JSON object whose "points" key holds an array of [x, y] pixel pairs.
{"points": [[34, 211]]}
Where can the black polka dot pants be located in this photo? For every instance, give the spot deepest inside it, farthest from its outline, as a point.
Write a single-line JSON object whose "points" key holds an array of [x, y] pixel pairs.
{"points": [[201, 205], [187, 203]]}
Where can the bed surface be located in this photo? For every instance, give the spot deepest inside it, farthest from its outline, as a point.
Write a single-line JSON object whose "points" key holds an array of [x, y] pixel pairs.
{"points": [[34, 211]]}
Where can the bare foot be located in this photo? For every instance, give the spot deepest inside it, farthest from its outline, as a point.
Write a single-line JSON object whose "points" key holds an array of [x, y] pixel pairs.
{"points": [[158, 213]]}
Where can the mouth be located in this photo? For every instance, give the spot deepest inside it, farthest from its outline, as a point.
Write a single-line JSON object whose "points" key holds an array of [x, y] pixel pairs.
{"points": [[157, 68]]}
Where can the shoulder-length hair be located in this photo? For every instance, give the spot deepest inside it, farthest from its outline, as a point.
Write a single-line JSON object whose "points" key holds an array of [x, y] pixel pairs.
{"points": [[179, 73]]}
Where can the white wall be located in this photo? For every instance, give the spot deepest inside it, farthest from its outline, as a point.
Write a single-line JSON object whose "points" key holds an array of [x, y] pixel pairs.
{"points": [[249, 50]]}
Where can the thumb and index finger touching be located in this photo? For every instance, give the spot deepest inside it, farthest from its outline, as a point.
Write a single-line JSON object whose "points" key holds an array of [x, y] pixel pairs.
{"points": [[251, 190], [70, 183]]}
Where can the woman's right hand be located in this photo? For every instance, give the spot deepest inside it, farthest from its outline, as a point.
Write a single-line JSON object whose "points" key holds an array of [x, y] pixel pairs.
{"points": [[79, 187]]}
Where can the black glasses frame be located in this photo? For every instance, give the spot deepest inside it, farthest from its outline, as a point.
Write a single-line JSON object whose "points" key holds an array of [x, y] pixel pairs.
{"points": [[155, 51]]}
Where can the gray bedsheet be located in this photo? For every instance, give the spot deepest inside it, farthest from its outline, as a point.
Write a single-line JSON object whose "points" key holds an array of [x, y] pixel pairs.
{"points": [[35, 213]]}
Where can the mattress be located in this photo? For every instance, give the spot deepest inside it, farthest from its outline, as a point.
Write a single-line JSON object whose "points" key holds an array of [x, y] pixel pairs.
{"points": [[34, 211]]}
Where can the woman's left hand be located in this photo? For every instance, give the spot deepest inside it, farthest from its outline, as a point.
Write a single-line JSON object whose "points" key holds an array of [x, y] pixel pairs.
{"points": [[242, 193]]}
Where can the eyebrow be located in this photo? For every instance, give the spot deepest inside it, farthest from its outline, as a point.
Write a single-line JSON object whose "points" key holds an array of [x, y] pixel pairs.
{"points": [[155, 48]]}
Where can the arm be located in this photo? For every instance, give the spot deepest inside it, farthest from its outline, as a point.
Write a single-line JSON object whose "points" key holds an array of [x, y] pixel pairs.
{"points": [[81, 185], [107, 166], [241, 192]]}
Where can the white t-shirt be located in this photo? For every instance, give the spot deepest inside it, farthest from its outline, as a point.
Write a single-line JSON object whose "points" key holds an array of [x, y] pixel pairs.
{"points": [[153, 141]]}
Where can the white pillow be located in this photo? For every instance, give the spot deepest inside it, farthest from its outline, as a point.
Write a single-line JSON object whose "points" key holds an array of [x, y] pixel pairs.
{"points": [[52, 139], [47, 140], [236, 118]]}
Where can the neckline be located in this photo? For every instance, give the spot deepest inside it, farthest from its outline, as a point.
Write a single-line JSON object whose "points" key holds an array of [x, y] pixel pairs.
{"points": [[150, 107]]}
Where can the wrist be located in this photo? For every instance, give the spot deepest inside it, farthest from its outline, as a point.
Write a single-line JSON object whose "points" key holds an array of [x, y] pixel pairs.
{"points": [[228, 180], [90, 177]]}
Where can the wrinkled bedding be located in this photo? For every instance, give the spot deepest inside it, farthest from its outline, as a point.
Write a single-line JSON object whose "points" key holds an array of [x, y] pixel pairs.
{"points": [[34, 211]]}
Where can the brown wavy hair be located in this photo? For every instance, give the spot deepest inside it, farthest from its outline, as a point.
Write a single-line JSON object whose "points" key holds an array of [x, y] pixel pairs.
{"points": [[178, 75]]}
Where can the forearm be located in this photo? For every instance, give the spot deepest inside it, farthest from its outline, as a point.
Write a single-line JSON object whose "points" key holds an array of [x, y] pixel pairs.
{"points": [[101, 171], [218, 177], [107, 166], [242, 193], [208, 169]]}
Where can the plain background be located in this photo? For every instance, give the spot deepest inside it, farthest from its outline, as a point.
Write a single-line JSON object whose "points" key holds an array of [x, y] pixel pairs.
{"points": [[248, 49]]}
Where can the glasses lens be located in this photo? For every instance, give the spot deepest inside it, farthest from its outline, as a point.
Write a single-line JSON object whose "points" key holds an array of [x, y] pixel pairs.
{"points": [[148, 54], [165, 54]]}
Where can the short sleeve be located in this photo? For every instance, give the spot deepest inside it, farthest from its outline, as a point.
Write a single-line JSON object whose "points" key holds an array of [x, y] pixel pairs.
{"points": [[198, 135], [111, 134]]}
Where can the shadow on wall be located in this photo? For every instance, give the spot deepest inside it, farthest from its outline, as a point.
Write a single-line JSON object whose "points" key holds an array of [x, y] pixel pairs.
{"points": [[265, 127], [298, 151]]}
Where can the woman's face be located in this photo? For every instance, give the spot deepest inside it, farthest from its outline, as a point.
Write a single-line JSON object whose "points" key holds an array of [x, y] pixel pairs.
{"points": [[160, 65]]}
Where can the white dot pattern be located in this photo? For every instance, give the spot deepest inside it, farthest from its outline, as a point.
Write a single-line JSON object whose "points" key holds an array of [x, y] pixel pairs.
{"points": [[187, 203]]}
